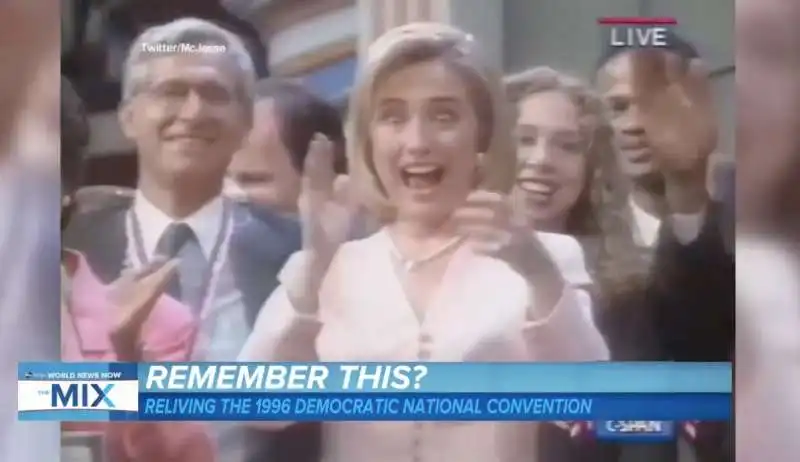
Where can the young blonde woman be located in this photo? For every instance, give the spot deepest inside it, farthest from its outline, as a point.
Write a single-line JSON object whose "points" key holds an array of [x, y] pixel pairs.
{"points": [[451, 277], [568, 183]]}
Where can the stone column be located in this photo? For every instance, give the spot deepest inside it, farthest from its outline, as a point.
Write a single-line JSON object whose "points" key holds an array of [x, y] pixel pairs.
{"points": [[378, 16], [484, 19]]}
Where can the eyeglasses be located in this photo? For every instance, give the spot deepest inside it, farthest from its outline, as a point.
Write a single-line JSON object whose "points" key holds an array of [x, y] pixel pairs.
{"points": [[178, 92]]}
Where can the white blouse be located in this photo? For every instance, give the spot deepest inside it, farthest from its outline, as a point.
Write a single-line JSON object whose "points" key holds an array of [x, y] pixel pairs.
{"points": [[478, 314], [568, 256]]}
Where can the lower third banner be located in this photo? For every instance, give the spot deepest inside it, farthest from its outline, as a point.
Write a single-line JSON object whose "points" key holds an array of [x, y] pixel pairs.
{"points": [[620, 393], [429, 407]]}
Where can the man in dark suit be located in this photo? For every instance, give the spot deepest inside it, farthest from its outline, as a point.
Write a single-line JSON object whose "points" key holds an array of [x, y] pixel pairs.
{"points": [[266, 173], [268, 168], [187, 112], [665, 131], [725, 193]]}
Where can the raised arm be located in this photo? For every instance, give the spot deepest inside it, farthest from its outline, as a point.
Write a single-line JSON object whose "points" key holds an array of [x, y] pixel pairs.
{"points": [[287, 325], [565, 331], [562, 331], [556, 327]]}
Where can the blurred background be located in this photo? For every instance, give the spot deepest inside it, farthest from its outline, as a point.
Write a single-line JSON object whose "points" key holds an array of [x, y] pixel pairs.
{"points": [[319, 41]]}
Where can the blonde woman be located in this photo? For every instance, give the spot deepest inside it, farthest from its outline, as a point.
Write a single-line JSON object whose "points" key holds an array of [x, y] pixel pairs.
{"points": [[450, 277], [568, 183], [568, 179]]}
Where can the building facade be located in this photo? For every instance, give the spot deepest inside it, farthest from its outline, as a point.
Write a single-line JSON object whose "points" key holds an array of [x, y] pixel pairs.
{"points": [[318, 41]]}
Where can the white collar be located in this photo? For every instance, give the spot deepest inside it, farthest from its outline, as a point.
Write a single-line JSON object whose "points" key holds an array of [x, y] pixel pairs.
{"points": [[645, 225], [205, 222]]}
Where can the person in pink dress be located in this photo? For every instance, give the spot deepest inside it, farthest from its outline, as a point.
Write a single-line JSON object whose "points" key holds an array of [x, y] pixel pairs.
{"points": [[129, 321], [451, 277]]}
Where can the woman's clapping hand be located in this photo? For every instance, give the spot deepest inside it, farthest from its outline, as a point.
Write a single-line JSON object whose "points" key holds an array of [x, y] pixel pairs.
{"points": [[328, 214]]}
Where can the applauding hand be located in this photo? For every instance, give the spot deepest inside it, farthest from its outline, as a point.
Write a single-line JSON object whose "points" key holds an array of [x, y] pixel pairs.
{"points": [[495, 228], [677, 108], [675, 100], [327, 211], [327, 216], [134, 296]]}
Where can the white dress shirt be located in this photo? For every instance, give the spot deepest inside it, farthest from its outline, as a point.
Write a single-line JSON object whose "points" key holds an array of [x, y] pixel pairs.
{"points": [[646, 227], [223, 325], [767, 350], [480, 313], [205, 222]]}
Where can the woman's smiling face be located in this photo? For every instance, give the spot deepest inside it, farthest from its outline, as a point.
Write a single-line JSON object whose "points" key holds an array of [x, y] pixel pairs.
{"points": [[424, 135], [552, 156]]}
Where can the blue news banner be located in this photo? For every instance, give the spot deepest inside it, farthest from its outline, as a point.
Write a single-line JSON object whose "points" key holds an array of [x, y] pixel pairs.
{"points": [[621, 398]]}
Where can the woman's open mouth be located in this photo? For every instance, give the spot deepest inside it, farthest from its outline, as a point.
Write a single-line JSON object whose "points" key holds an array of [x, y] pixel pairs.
{"points": [[421, 176], [537, 188]]}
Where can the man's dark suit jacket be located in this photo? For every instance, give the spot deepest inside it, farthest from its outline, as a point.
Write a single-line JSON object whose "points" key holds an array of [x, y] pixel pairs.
{"points": [[258, 250], [684, 312], [725, 193]]}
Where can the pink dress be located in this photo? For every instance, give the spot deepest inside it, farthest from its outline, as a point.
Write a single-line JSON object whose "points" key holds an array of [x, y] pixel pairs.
{"points": [[479, 314], [168, 336]]}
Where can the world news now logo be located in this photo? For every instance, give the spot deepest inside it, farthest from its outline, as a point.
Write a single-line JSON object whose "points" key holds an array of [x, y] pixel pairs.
{"points": [[637, 430], [81, 396]]}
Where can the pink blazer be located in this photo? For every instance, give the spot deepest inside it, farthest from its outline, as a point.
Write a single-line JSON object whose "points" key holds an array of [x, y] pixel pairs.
{"points": [[168, 336]]}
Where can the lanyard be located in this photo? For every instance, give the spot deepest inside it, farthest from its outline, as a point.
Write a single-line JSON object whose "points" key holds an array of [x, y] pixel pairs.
{"points": [[212, 271]]}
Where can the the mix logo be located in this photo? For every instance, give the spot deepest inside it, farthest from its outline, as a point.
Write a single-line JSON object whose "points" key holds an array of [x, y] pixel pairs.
{"points": [[83, 395]]}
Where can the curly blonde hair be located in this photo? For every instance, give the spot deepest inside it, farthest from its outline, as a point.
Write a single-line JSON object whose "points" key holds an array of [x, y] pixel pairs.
{"points": [[599, 218]]}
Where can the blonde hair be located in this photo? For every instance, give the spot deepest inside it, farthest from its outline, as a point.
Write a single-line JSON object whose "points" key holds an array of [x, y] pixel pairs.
{"points": [[421, 42], [600, 216]]}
